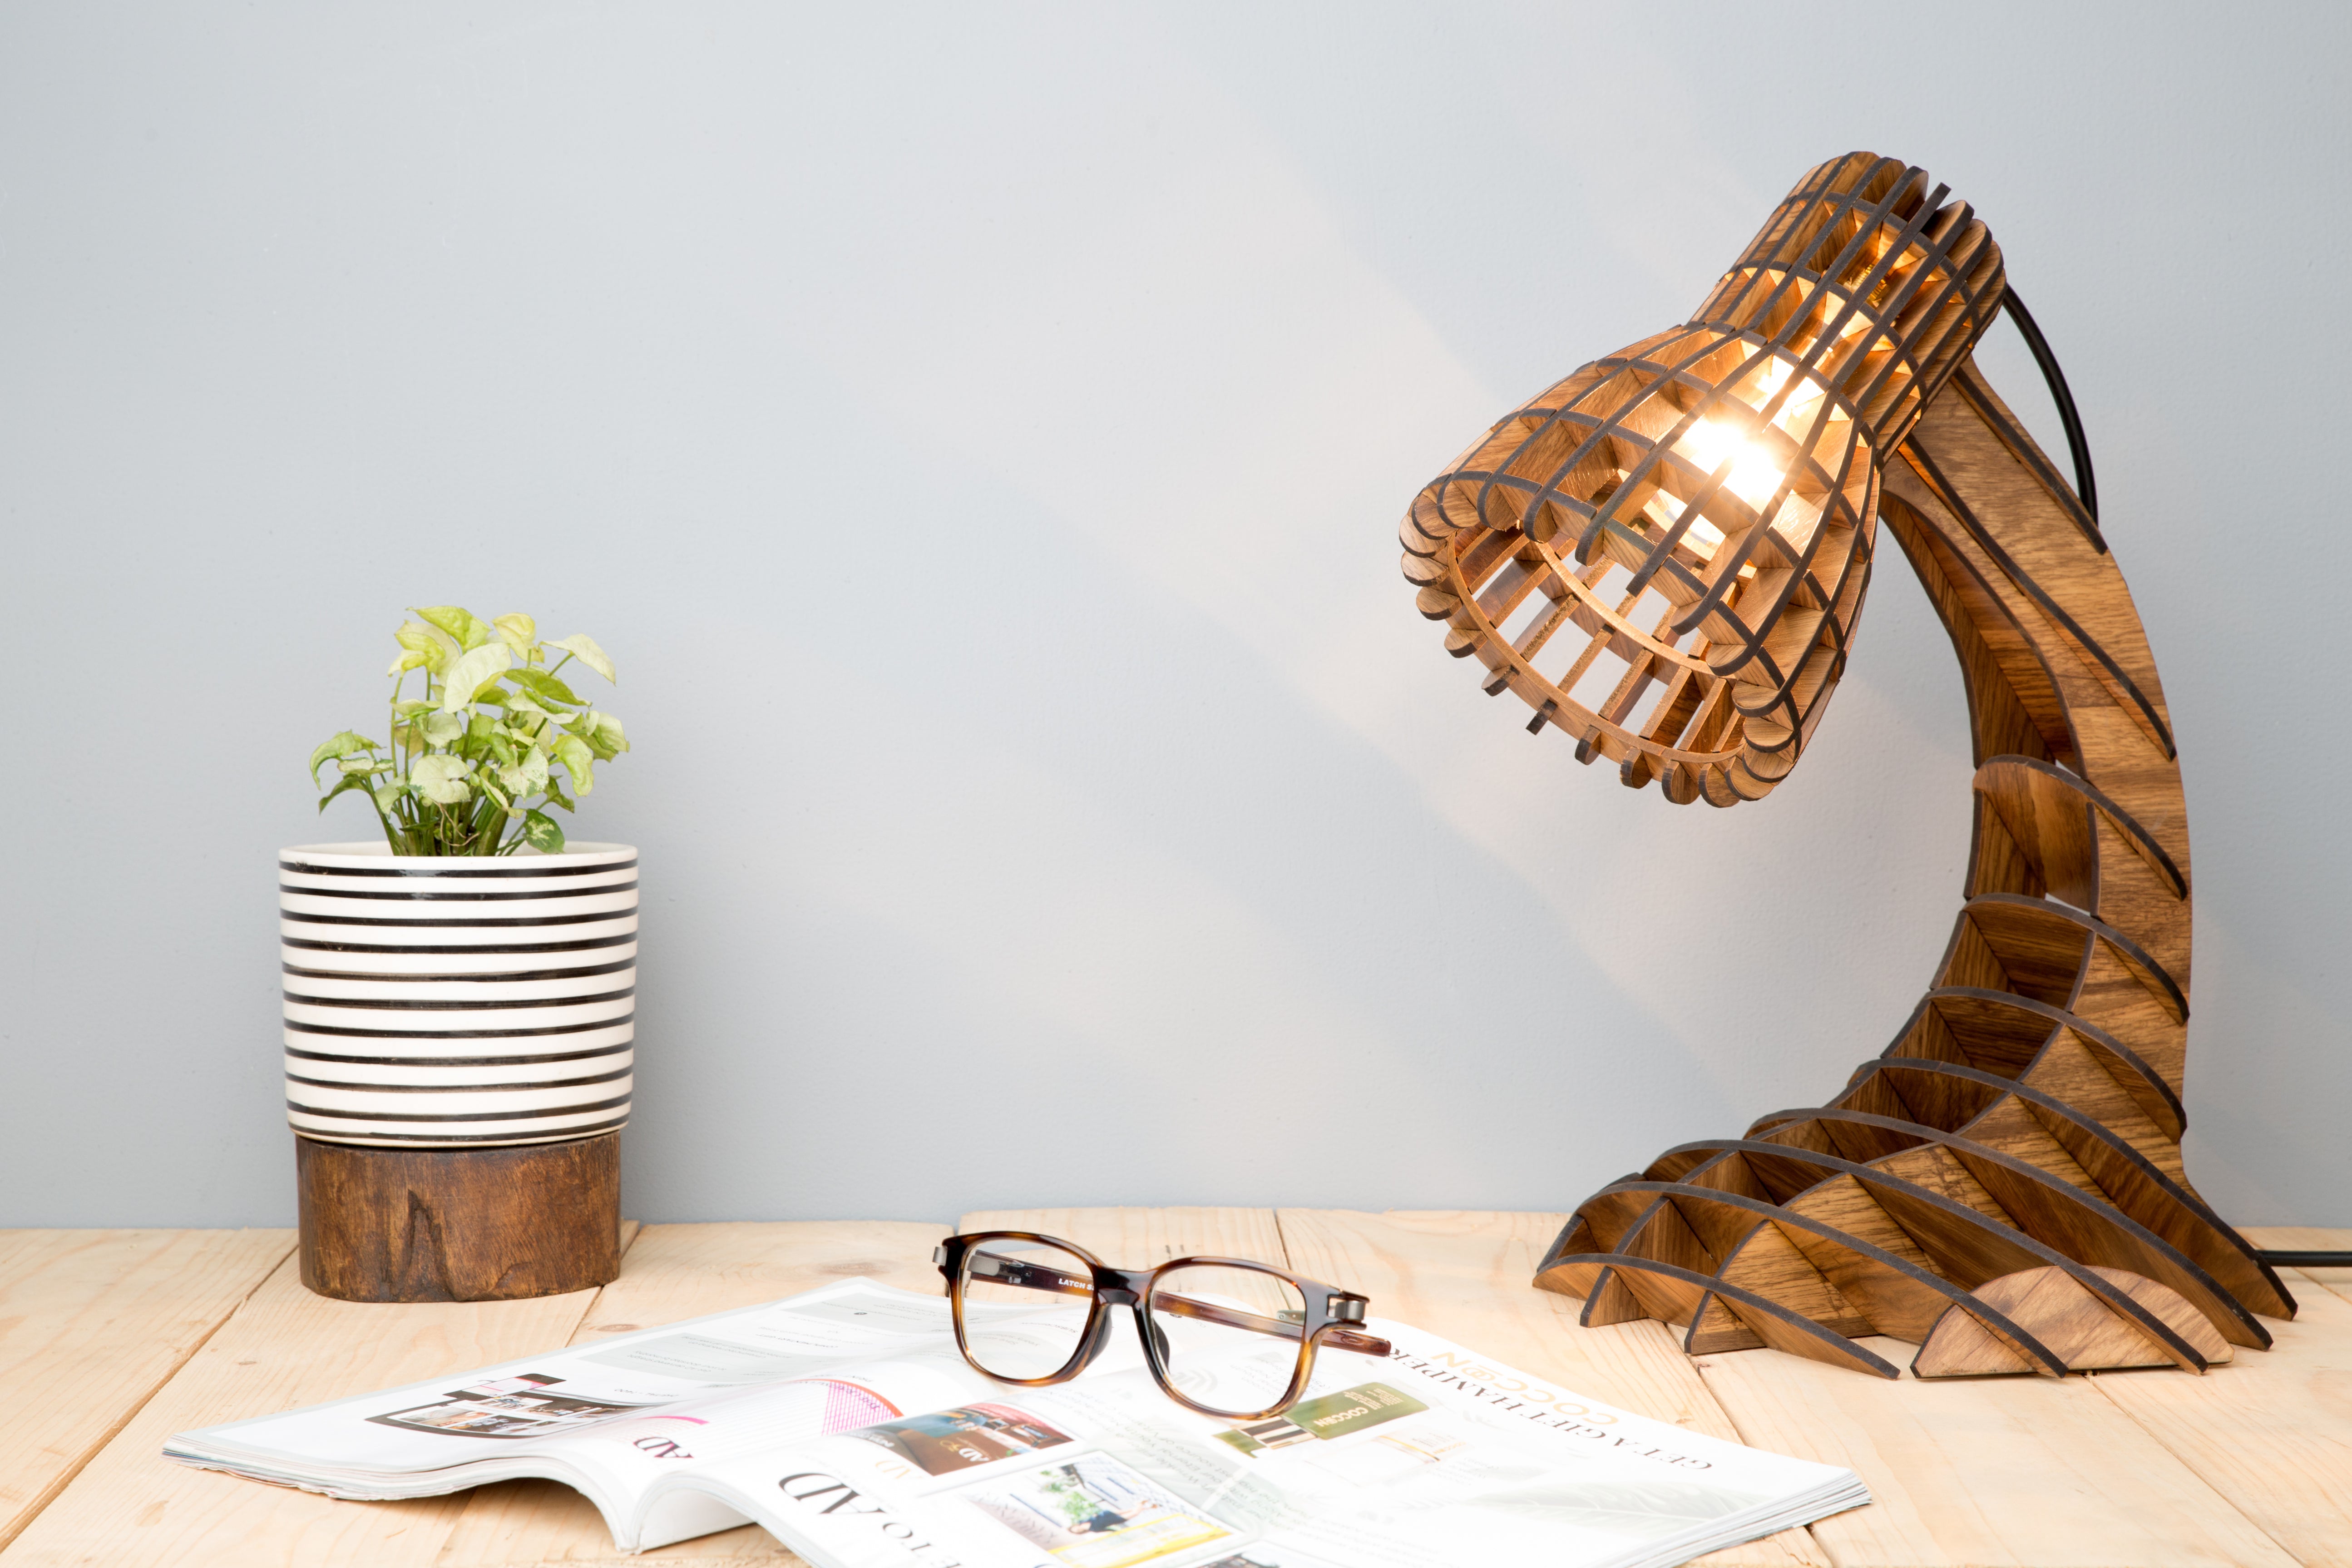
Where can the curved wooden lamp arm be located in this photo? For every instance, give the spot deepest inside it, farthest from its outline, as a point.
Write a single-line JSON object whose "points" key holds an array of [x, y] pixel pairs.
{"points": [[2078, 813], [2035, 1093]]}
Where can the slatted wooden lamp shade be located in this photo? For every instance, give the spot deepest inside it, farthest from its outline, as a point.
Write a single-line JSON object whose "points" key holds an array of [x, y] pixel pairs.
{"points": [[1665, 552], [1665, 555]]}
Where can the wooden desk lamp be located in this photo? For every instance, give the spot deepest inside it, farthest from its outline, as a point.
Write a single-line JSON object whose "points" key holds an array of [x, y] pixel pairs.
{"points": [[1665, 555]]}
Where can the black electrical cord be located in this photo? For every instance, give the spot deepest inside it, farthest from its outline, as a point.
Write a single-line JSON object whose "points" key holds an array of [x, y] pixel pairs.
{"points": [[2287, 1260], [2086, 488]]}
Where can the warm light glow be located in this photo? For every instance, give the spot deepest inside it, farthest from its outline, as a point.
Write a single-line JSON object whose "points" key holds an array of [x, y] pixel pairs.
{"points": [[1754, 475], [1798, 409]]}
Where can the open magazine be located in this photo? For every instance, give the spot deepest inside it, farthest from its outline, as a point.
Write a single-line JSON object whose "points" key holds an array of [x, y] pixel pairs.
{"points": [[845, 1422]]}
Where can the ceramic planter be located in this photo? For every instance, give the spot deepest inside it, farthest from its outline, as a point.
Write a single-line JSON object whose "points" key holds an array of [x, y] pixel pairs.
{"points": [[457, 1001]]}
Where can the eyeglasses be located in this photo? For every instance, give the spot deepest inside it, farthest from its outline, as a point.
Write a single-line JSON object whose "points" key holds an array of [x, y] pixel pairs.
{"points": [[1200, 1319]]}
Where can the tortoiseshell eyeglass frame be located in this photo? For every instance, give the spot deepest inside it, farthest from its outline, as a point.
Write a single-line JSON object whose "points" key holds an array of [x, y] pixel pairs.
{"points": [[1330, 1319]]}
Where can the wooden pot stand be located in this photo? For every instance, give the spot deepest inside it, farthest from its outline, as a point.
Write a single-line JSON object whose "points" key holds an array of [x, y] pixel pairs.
{"points": [[458, 1225]]}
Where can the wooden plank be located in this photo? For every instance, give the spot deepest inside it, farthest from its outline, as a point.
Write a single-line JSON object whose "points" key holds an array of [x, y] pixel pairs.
{"points": [[1141, 1238], [2009, 1473], [684, 1271], [92, 1323], [2272, 1432], [1465, 1275], [283, 1347]]}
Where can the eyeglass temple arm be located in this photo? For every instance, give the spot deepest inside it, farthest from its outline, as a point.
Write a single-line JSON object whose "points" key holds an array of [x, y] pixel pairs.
{"points": [[1039, 1276], [1280, 1328], [1004, 1270]]}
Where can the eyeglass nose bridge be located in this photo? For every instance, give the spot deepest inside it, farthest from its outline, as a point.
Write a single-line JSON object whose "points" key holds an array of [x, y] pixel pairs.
{"points": [[1122, 1287]]}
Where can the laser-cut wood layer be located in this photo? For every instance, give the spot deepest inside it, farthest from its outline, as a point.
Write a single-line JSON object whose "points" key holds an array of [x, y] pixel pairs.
{"points": [[1665, 553], [2027, 1117]]}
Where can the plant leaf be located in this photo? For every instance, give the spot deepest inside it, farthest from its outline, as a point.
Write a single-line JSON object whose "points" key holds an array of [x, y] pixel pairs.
{"points": [[460, 623], [583, 647], [443, 728], [584, 726], [555, 796], [525, 775], [437, 648], [608, 730], [409, 660], [342, 744], [519, 632], [541, 833], [474, 670], [441, 779], [541, 685], [573, 754]]}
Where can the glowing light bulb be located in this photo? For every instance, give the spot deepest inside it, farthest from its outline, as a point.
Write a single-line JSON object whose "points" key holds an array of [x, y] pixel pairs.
{"points": [[1754, 475]]}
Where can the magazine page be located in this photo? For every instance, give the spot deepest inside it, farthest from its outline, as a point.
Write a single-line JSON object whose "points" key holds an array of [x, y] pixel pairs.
{"points": [[623, 1457], [1431, 1459], [611, 1415], [450, 1420]]}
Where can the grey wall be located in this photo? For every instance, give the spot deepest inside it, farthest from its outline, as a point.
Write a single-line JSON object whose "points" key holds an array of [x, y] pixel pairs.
{"points": [[979, 433]]}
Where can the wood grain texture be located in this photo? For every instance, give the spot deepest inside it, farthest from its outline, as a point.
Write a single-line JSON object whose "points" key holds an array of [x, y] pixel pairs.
{"points": [[2248, 1465], [1663, 554], [2272, 1433], [283, 1347], [2085, 1331], [92, 1322], [458, 1225], [2025, 1472]]}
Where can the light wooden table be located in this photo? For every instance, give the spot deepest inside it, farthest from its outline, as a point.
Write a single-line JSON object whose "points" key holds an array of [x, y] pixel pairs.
{"points": [[111, 1340]]}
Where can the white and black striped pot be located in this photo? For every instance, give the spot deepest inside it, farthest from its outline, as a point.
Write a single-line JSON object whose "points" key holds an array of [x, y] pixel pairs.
{"points": [[457, 1001]]}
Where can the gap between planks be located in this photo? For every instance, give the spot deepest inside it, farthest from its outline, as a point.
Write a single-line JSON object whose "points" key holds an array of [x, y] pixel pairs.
{"points": [[268, 1249], [2271, 1431], [129, 1505], [1452, 1273]]}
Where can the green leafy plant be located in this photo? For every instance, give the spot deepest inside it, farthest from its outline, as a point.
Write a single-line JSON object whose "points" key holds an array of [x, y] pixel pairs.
{"points": [[471, 763]]}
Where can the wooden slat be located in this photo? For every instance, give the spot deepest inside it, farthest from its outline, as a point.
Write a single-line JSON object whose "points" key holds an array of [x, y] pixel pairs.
{"points": [[1464, 1276], [2272, 1433], [2009, 1473], [92, 1323], [684, 1271], [2249, 1465], [283, 1347]]}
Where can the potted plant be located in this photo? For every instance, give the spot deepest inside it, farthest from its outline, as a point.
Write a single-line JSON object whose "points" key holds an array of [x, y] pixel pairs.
{"points": [[459, 997]]}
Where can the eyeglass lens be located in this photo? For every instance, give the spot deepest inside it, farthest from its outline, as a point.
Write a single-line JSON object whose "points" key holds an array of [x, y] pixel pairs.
{"points": [[1003, 1272], [1229, 1337]]}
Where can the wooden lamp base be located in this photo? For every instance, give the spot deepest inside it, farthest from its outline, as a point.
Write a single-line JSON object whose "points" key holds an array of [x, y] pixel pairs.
{"points": [[458, 1225]]}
